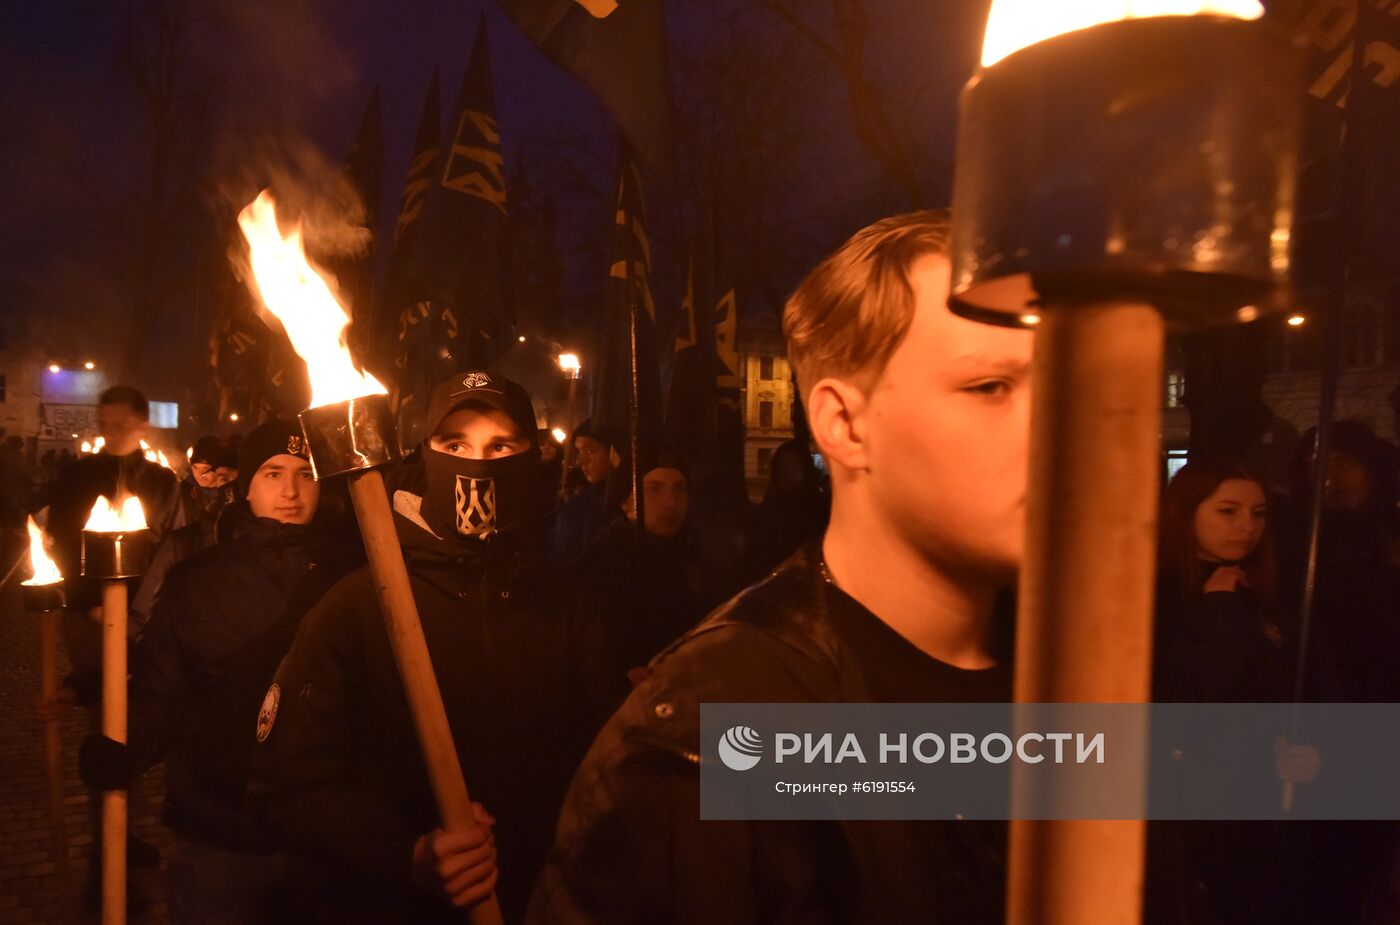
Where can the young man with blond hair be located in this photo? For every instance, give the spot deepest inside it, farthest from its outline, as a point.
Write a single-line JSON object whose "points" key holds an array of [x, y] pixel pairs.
{"points": [[923, 418]]}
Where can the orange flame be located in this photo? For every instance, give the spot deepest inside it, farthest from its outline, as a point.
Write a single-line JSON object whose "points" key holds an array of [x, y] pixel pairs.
{"points": [[105, 518], [155, 456], [302, 300], [1016, 24], [45, 569]]}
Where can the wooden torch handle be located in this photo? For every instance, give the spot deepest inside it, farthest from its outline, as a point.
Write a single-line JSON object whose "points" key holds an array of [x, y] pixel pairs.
{"points": [[53, 757], [114, 727], [1084, 630], [415, 665]]}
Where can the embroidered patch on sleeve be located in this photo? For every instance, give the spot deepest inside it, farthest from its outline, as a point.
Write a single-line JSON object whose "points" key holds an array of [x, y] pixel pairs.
{"points": [[268, 714]]}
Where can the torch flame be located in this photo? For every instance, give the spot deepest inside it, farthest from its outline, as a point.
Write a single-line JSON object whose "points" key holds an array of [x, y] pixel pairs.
{"points": [[108, 519], [1015, 24], [154, 455], [45, 569], [302, 300]]}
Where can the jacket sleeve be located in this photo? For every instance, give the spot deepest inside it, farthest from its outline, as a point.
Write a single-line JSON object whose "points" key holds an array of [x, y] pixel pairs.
{"points": [[307, 779], [143, 603], [158, 686], [612, 858]]}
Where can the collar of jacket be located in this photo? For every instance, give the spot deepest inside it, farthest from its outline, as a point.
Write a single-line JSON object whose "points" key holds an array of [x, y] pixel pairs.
{"points": [[238, 523], [458, 563]]}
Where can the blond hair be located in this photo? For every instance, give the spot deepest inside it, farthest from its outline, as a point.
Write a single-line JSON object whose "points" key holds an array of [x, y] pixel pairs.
{"points": [[850, 313]]}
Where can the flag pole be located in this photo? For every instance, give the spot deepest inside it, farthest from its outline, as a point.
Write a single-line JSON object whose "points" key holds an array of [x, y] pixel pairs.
{"points": [[634, 386]]}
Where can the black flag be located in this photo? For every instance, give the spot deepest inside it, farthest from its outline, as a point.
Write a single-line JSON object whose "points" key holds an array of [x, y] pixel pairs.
{"points": [[618, 49], [453, 311], [703, 419], [1349, 189], [354, 273], [459, 252], [629, 308], [400, 333]]}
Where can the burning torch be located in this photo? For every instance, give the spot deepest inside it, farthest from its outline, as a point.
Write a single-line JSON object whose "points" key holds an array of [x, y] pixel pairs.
{"points": [[1122, 166], [43, 595], [116, 546], [568, 362], [350, 431]]}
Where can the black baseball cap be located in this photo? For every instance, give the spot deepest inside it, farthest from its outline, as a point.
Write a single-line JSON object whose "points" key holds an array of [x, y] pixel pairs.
{"points": [[478, 387]]}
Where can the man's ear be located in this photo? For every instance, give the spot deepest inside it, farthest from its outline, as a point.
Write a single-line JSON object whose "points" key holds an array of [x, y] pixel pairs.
{"points": [[835, 414]]}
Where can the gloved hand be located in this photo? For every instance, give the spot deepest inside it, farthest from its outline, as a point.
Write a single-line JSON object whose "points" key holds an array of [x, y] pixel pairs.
{"points": [[103, 763]]}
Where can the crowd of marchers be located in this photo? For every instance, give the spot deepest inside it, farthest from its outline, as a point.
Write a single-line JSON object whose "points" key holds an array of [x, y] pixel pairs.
{"points": [[574, 644]]}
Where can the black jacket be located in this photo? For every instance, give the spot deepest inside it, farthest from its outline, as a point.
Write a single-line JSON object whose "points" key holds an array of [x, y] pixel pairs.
{"points": [[340, 774], [199, 670], [644, 605], [178, 546], [73, 494], [630, 846]]}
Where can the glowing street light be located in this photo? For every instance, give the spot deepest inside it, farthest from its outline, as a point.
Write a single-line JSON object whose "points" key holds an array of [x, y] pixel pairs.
{"points": [[1296, 320], [53, 367], [233, 416], [89, 365]]}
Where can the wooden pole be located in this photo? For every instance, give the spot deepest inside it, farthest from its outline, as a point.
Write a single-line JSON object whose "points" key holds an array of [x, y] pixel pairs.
{"points": [[1084, 630], [415, 665], [53, 757], [114, 728], [566, 451]]}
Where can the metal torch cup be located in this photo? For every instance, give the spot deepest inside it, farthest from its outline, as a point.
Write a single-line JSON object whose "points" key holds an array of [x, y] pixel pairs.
{"points": [[1112, 181], [353, 438], [43, 599], [111, 558], [350, 436], [1152, 159]]}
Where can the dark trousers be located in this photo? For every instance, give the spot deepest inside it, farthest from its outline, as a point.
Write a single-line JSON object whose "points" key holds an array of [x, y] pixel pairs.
{"points": [[215, 886]]}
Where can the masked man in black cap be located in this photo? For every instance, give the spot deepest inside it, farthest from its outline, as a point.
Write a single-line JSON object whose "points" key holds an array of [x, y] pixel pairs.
{"points": [[223, 621], [204, 492], [339, 771]]}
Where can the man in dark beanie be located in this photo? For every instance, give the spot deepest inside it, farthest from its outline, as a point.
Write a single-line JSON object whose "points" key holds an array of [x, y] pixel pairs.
{"points": [[648, 585], [203, 492], [583, 516], [340, 772], [199, 670]]}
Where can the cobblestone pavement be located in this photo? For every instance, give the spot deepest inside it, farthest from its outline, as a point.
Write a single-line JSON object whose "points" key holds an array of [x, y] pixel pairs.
{"points": [[29, 882]]}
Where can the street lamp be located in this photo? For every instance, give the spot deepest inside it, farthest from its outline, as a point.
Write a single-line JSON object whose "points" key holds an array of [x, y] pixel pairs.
{"points": [[89, 365]]}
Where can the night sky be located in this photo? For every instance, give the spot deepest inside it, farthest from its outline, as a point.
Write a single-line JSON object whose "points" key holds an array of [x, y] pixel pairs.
{"points": [[290, 78]]}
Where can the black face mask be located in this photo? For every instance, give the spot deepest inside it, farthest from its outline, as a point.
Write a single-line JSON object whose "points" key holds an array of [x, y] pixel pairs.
{"points": [[479, 497]]}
